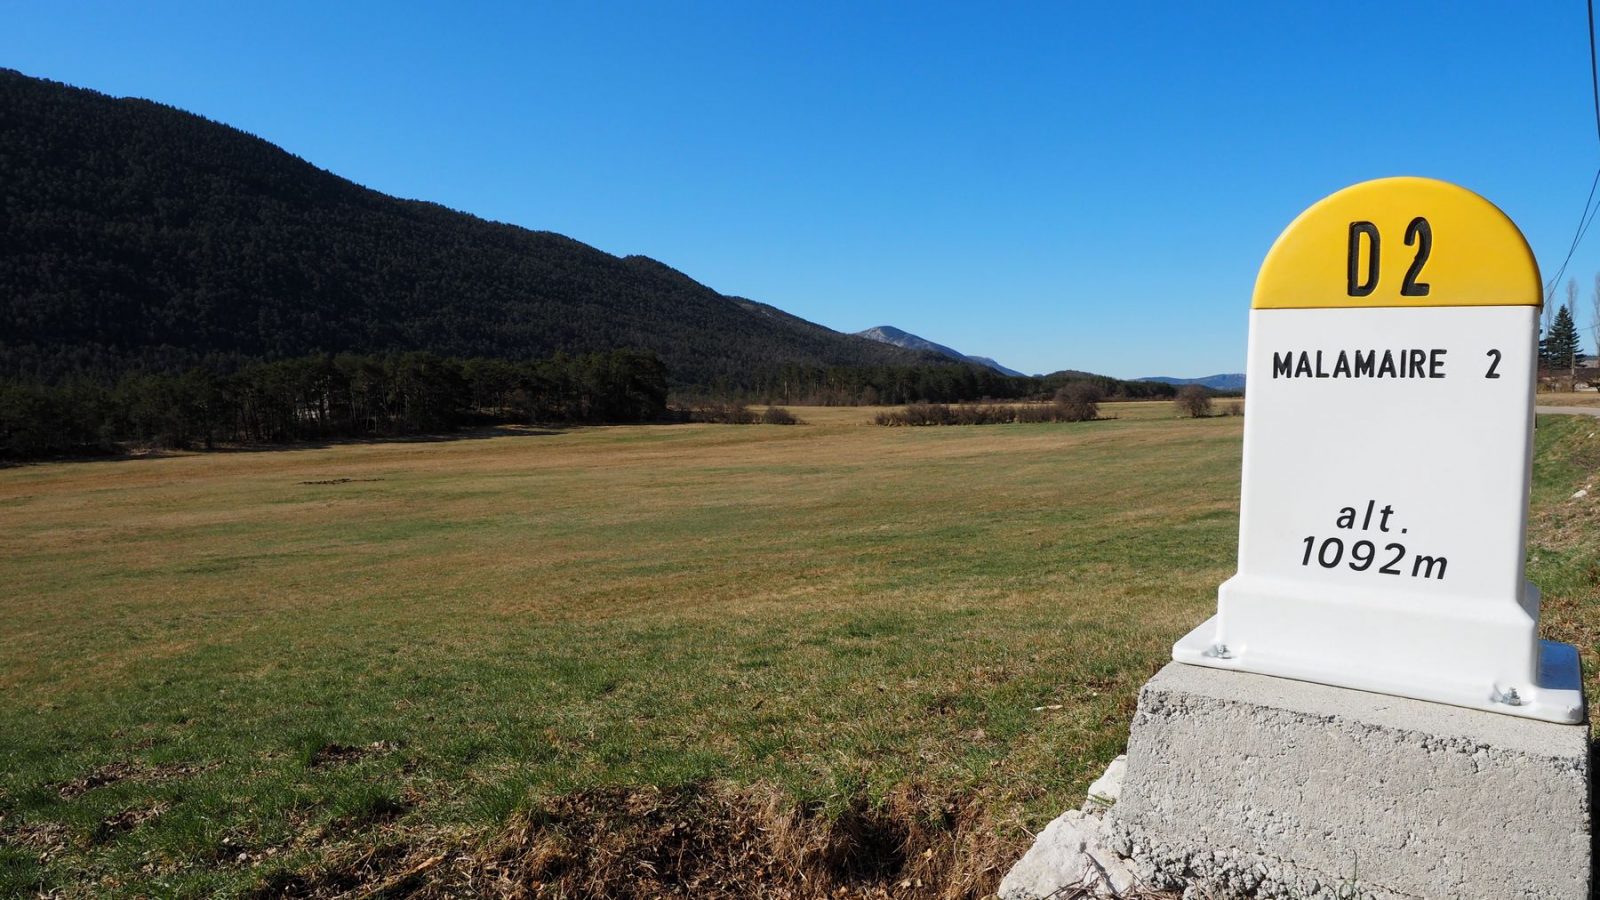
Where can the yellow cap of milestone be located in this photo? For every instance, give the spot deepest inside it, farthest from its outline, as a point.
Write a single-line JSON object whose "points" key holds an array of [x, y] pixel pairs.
{"points": [[1399, 242]]}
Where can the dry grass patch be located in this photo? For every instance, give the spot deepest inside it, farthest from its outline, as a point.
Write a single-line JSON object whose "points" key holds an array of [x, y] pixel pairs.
{"points": [[1568, 398]]}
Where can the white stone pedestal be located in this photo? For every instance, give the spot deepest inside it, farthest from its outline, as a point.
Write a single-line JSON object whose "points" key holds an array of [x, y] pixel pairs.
{"points": [[1253, 786]]}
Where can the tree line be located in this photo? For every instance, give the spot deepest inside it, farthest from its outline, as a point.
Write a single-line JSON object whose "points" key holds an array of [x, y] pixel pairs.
{"points": [[319, 397], [354, 395]]}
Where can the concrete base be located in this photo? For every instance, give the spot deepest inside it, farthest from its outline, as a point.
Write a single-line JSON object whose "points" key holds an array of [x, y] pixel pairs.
{"points": [[1251, 786]]}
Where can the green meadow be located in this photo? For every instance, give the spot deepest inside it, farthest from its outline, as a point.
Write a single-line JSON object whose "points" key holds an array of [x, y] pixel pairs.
{"points": [[249, 672]]}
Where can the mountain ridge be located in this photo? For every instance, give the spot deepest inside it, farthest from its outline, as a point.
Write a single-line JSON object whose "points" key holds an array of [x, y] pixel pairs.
{"points": [[1229, 381]]}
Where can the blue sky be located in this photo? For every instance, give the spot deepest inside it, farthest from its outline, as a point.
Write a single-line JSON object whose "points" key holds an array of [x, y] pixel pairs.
{"points": [[1061, 185]]}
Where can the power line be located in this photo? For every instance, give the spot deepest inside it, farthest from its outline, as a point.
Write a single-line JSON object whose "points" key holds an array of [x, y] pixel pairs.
{"points": [[1586, 218], [1594, 75]]}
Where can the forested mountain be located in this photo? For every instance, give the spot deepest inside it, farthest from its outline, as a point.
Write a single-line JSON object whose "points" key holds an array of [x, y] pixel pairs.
{"points": [[135, 236]]}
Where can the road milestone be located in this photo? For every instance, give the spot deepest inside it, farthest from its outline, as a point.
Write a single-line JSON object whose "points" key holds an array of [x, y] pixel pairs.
{"points": [[1429, 744]]}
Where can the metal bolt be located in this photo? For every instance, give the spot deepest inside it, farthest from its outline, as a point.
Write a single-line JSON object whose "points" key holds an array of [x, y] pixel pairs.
{"points": [[1511, 697], [1220, 651]]}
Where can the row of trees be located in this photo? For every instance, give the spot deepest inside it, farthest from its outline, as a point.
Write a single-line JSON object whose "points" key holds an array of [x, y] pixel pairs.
{"points": [[319, 397], [900, 385]]}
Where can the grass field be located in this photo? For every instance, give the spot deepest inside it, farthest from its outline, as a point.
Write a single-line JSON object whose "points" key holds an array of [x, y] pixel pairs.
{"points": [[412, 666]]}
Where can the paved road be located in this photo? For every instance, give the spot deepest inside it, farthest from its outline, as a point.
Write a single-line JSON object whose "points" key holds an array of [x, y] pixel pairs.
{"points": [[1571, 410]]}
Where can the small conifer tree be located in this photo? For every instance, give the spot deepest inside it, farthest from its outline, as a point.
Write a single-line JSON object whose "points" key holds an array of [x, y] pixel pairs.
{"points": [[1561, 345]]}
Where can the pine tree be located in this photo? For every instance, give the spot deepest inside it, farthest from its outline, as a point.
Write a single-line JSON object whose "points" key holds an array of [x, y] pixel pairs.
{"points": [[1561, 345]]}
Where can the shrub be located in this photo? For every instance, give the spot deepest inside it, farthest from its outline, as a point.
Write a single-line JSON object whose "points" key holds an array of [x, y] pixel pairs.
{"points": [[777, 415], [1236, 408], [1193, 401], [986, 414], [1078, 401], [732, 413], [1082, 407], [919, 414], [1034, 412], [929, 414]]}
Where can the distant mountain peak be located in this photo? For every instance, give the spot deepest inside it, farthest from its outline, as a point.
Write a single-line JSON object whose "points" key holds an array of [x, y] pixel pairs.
{"points": [[888, 334]]}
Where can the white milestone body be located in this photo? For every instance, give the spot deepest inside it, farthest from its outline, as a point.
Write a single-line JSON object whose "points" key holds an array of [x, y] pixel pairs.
{"points": [[1383, 510]]}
